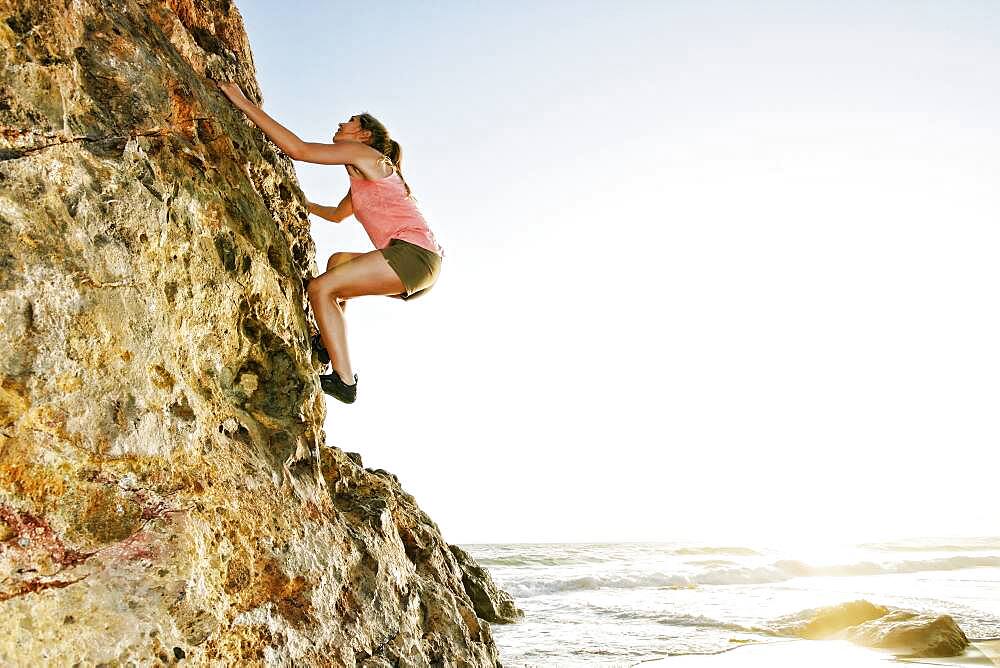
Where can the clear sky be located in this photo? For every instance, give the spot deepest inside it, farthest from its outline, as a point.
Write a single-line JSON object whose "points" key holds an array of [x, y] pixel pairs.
{"points": [[714, 269]]}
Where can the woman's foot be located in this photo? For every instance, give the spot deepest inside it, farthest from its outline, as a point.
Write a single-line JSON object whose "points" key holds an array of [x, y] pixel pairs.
{"points": [[319, 349], [333, 385]]}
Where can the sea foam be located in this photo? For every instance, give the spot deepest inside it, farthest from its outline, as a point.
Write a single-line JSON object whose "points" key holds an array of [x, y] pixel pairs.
{"points": [[532, 584]]}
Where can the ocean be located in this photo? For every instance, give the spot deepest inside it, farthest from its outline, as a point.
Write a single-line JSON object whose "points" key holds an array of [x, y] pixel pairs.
{"points": [[619, 604]]}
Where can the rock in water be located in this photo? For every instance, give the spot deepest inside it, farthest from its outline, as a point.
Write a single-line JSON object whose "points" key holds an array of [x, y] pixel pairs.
{"points": [[491, 603], [904, 632], [912, 634], [164, 489], [822, 623]]}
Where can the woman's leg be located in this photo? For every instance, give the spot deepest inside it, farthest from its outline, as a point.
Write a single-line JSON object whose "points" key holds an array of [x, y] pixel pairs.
{"points": [[364, 274], [338, 259]]}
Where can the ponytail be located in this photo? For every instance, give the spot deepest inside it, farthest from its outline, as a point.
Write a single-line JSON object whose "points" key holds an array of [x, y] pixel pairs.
{"points": [[387, 146], [395, 154]]}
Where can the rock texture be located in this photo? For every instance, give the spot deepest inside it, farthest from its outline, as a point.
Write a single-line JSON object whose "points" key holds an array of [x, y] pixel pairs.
{"points": [[904, 632], [165, 491], [490, 602], [912, 634]]}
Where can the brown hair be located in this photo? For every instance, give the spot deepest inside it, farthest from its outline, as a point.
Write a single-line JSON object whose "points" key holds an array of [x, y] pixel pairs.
{"points": [[381, 142]]}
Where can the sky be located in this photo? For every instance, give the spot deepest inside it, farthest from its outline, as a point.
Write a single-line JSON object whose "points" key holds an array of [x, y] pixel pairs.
{"points": [[714, 270]]}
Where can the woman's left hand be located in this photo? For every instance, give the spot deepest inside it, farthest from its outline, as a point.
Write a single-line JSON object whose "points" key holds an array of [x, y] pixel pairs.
{"points": [[233, 92]]}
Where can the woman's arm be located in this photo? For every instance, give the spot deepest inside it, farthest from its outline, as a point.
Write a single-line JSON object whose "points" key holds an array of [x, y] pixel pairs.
{"points": [[336, 214], [286, 140], [343, 153]]}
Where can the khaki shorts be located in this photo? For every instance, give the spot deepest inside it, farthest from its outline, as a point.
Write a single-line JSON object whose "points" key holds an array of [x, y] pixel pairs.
{"points": [[416, 267]]}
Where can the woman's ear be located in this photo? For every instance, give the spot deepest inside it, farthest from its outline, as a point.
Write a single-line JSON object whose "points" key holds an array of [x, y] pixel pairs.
{"points": [[366, 136]]}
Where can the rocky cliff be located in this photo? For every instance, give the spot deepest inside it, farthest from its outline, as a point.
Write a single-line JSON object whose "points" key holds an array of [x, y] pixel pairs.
{"points": [[166, 494]]}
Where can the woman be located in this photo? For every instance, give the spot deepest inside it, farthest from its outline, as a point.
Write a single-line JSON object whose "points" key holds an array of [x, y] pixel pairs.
{"points": [[406, 260]]}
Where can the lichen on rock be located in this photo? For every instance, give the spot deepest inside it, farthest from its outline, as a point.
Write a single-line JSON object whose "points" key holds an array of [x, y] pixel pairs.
{"points": [[166, 492]]}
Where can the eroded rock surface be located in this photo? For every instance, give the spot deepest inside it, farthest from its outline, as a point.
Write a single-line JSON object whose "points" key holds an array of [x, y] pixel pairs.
{"points": [[904, 632], [165, 491], [490, 602], [912, 634]]}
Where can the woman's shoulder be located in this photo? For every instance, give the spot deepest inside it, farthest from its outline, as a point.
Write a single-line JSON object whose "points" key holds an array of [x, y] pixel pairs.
{"points": [[371, 165]]}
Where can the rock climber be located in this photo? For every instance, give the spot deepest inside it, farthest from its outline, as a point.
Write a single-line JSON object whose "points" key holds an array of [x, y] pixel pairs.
{"points": [[406, 260]]}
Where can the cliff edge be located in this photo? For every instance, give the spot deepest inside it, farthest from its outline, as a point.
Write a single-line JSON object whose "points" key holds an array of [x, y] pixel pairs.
{"points": [[165, 491]]}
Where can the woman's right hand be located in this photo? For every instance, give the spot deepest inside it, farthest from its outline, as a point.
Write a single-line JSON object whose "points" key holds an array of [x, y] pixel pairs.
{"points": [[233, 92]]}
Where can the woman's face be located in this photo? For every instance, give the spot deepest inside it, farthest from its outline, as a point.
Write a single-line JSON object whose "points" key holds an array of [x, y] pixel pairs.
{"points": [[351, 131]]}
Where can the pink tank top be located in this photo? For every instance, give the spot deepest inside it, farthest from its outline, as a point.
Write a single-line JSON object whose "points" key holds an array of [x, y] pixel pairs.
{"points": [[384, 210]]}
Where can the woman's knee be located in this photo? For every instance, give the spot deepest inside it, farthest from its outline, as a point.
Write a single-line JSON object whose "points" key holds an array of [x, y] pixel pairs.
{"points": [[338, 258], [327, 288]]}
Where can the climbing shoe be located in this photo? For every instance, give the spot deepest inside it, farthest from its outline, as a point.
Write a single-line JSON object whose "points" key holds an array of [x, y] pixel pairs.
{"points": [[317, 346], [335, 387]]}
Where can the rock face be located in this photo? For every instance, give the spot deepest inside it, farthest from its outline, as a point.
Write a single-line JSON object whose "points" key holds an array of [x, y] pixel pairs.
{"points": [[490, 602], [165, 491]]}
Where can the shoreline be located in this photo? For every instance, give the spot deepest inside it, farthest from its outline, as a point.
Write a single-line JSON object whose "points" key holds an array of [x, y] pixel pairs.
{"points": [[796, 652]]}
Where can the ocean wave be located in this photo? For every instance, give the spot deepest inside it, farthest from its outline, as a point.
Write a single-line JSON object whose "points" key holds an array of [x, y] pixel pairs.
{"points": [[535, 587], [707, 563], [532, 560], [673, 618], [788, 569], [938, 545], [736, 551], [800, 569], [697, 621], [778, 571], [583, 554]]}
